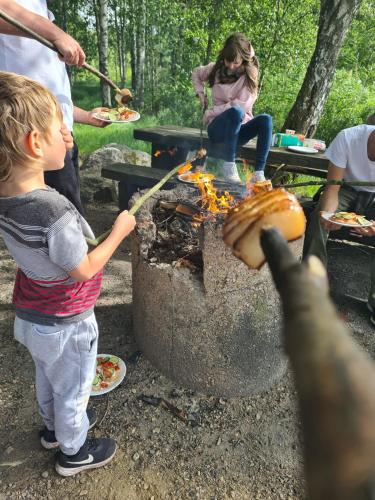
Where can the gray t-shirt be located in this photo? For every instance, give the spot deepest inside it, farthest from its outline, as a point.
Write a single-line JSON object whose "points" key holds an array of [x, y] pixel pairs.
{"points": [[45, 235]]}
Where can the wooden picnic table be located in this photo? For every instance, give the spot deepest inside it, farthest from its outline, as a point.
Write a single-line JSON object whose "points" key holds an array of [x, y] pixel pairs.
{"points": [[174, 142]]}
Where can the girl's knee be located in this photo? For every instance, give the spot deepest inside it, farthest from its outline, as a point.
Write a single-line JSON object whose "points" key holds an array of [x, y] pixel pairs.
{"points": [[236, 112], [265, 120]]}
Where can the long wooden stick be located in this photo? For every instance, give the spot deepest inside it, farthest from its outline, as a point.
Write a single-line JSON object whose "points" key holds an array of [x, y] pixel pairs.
{"points": [[137, 205], [50, 45], [327, 183]]}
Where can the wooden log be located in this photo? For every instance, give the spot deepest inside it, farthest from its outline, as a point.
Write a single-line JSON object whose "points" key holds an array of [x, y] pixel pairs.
{"points": [[184, 167], [335, 380]]}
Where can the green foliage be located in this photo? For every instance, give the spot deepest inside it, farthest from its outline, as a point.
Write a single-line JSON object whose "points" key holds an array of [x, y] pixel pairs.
{"points": [[183, 35]]}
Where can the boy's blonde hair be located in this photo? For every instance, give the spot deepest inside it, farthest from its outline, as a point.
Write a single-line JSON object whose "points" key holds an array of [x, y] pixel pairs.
{"points": [[25, 105]]}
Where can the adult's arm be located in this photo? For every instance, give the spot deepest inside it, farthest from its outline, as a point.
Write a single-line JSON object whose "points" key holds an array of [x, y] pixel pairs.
{"points": [[330, 197], [70, 50], [87, 117]]}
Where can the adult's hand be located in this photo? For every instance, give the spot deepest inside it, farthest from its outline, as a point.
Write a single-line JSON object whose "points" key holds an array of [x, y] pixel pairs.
{"points": [[67, 136], [94, 121], [87, 117], [329, 226], [365, 231], [70, 50]]}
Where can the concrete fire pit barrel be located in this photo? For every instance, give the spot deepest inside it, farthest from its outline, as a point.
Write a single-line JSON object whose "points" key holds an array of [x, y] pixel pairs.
{"points": [[217, 331]]}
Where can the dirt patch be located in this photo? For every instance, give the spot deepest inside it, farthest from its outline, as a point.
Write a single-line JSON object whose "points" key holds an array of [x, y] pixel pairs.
{"points": [[242, 448]]}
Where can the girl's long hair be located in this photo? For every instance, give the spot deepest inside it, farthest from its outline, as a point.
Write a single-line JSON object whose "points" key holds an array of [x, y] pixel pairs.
{"points": [[236, 46]]}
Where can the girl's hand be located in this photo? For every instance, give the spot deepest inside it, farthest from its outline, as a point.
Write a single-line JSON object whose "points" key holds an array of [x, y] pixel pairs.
{"points": [[67, 137], [124, 224], [203, 100]]}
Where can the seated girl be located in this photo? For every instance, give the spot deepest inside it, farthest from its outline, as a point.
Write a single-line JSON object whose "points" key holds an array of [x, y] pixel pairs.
{"points": [[234, 82]]}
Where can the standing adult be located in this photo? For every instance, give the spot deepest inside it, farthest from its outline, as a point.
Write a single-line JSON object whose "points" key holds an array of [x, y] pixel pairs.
{"points": [[352, 158], [19, 54]]}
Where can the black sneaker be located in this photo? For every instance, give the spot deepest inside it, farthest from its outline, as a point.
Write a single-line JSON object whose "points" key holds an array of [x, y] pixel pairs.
{"points": [[94, 453], [48, 439]]}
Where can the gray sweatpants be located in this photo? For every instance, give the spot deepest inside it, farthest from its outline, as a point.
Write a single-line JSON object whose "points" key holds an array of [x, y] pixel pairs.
{"points": [[65, 363]]}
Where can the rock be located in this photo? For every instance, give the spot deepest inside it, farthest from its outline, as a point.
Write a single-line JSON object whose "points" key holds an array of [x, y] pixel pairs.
{"points": [[112, 153], [102, 158], [136, 157]]}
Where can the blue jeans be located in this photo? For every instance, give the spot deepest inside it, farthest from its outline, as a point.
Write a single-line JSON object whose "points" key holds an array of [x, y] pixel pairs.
{"points": [[65, 363], [227, 129]]}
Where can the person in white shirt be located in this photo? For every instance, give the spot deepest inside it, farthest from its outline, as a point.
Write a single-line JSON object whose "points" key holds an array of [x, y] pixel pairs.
{"points": [[351, 158], [19, 54]]}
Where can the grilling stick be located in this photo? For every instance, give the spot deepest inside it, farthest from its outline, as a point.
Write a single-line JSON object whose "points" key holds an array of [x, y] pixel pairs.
{"points": [[184, 167], [50, 45]]}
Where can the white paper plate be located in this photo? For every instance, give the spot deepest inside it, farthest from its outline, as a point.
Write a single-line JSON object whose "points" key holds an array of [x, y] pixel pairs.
{"points": [[134, 118], [327, 216], [116, 382], [303, 149]]}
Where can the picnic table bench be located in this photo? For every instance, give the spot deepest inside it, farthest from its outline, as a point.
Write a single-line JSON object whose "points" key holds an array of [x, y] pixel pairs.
{"points": [[170, 146]]}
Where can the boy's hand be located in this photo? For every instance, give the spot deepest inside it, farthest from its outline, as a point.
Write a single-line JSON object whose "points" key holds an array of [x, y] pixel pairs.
{"points": [[124, 224], [67, 136]]}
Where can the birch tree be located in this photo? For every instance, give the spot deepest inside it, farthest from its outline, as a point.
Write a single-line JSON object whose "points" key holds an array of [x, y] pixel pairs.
{"points": [[101, 14]]}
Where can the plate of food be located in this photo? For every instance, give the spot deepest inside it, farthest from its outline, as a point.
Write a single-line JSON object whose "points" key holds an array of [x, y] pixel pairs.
{"points": [[348, 219], [193, 177], [110, 372], [117, 115], [303, 149]]}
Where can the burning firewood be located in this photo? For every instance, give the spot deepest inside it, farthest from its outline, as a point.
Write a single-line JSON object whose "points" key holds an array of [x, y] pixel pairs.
{"points": [[243, 224], [334, 377]]}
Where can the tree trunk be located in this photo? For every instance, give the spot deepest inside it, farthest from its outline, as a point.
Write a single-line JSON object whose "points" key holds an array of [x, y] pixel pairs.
{"points": [[102, 31], [141, 52], [133, 45], [335, 19]]}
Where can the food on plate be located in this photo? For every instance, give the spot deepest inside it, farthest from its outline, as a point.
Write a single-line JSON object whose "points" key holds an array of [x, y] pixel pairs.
{"points": [[107, 371], [349, 218], [123, 97], [244, 222], [117, 114]]}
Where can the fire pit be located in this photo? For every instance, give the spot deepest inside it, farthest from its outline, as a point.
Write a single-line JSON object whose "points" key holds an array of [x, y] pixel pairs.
{"points": [[200, 315]]}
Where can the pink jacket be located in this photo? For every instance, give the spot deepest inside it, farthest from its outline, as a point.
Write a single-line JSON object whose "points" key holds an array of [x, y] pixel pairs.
{"points": [[224, 95]]}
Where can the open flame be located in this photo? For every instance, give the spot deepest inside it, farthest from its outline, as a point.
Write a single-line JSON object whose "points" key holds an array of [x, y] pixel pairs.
{"points": [[210, 200]]}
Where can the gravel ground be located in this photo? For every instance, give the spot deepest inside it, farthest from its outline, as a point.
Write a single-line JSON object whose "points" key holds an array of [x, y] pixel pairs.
{"points": [[245, 448]]}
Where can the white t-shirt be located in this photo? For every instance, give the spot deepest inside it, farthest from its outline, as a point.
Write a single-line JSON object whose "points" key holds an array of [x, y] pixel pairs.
{"points": [[349, 150], [30, 58]]}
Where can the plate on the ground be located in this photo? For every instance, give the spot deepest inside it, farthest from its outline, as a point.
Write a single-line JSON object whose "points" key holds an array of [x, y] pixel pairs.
{"points": [[327, 216], [110, 372], [303, 149], [189, 179], [105, 116]]}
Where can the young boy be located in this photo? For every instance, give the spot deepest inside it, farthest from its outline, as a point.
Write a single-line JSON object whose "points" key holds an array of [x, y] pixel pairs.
{"points": [[57, 282]]}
